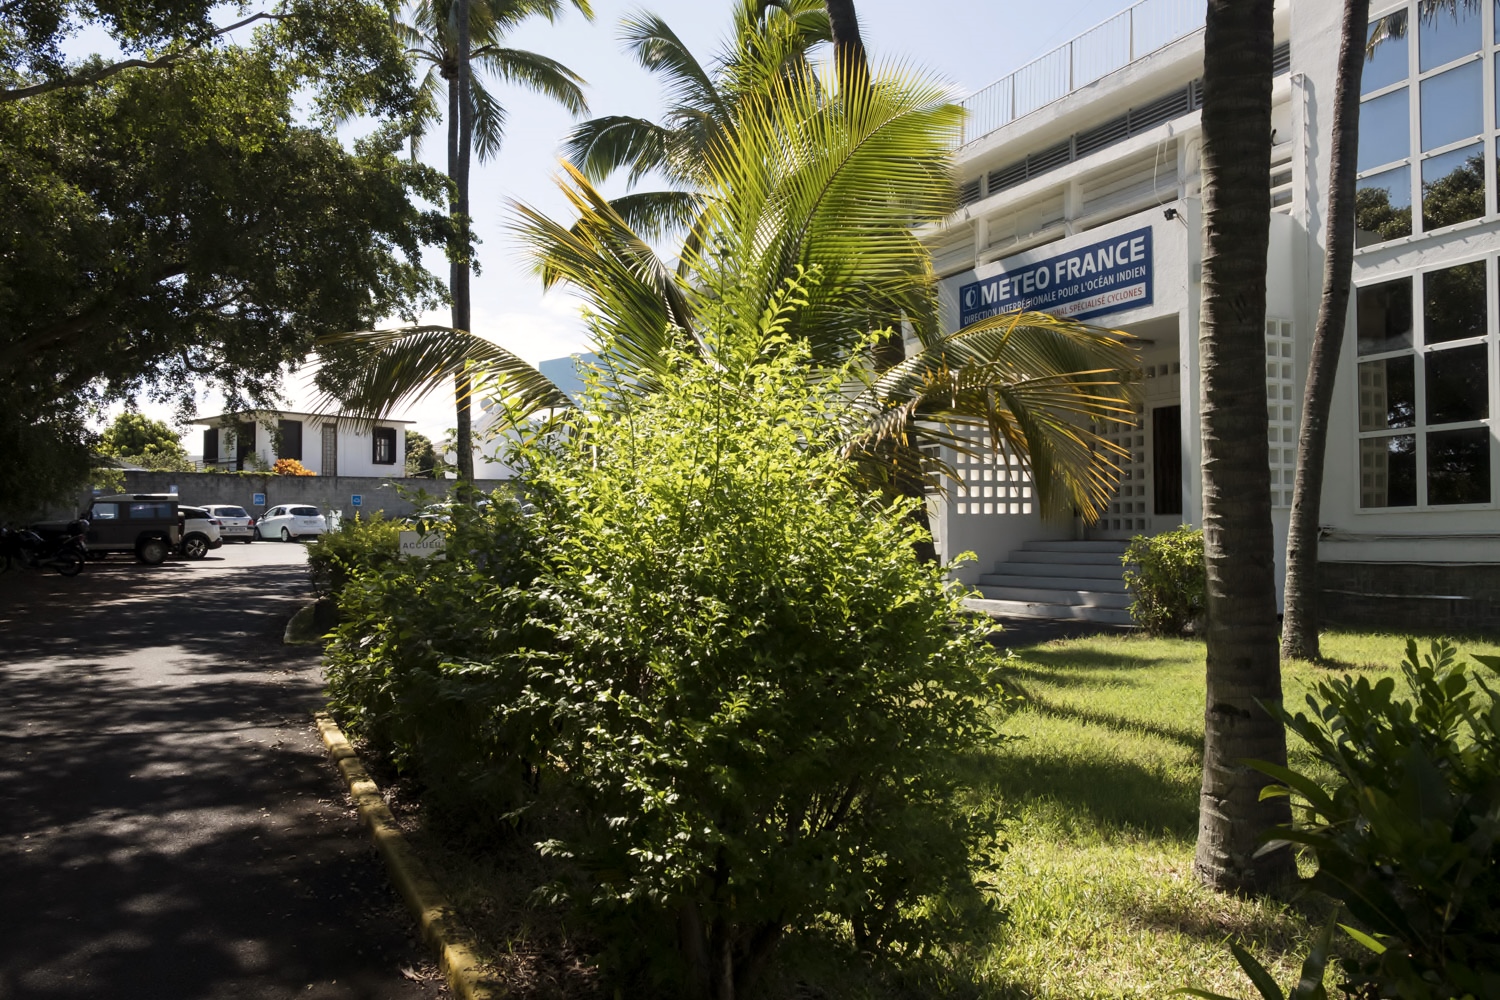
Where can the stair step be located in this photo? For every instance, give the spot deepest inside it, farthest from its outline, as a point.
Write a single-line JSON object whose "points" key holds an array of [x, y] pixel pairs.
{"points": [[1010, 575], [1065, 558], [1043, 595], [1093, 571], [1030, 609], [1100, 546]]}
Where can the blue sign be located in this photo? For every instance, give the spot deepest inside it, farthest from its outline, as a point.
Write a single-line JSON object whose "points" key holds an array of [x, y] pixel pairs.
{"points": [[355, 499], [1100, 278], [257, 499]]}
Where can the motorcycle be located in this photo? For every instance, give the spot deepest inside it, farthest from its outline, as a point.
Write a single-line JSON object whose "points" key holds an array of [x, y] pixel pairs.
{"points": [[24, 547]]}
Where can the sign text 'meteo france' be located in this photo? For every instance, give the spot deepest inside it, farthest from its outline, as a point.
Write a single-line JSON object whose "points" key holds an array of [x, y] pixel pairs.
{"points": [[1100, 278]]}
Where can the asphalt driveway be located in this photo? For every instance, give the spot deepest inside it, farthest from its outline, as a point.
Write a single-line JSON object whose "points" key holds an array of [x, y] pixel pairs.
{"points": [[169, 824]]}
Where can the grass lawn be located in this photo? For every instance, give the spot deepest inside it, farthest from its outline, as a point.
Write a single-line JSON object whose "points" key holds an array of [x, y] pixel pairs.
{"points": [[1103, 791]]}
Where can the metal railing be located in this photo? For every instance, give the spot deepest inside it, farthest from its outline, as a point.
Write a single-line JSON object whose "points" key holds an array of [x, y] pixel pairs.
{"points": [[1134, 32]]}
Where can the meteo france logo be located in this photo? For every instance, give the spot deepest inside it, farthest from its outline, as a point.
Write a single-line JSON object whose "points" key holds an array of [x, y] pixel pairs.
{"points": [[1104, 277]]}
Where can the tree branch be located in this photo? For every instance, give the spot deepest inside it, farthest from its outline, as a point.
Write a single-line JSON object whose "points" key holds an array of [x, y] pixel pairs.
{"points": [[105, 72]]}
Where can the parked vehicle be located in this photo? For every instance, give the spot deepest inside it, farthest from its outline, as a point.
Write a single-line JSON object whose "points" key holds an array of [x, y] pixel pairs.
{"points": [[146, 524], [200, 533], [291, 521], [235, 523], [25, 547]]}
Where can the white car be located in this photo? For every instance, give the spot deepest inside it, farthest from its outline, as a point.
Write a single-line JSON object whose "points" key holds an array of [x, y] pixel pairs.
{"points": [[291, 521], [200, 533], [235, 524]]}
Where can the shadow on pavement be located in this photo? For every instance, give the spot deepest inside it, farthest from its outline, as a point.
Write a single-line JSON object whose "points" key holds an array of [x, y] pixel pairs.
{"points": [[172, 828]]}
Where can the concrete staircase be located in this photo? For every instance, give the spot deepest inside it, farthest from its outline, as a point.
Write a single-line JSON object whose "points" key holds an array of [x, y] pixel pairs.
{"points": [[1080, 580]]}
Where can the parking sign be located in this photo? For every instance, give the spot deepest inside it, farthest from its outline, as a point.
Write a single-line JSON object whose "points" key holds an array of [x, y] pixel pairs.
{"points": [[355, 499], [257, 499]]}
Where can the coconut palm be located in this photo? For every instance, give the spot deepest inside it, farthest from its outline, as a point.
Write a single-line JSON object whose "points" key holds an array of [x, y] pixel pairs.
{"points": [[1299, 633], [820, 188], [1244, 668], [773, 36], [461, 43]]}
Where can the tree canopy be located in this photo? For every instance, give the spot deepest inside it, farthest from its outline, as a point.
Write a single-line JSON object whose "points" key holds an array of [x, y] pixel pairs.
{"points": [[200, 222], [137, 434]]}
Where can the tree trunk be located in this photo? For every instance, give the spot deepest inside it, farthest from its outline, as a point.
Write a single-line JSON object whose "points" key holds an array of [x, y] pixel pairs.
{"points": [[848, 45], [1299, 629], [460, 147], [1244, 669]]}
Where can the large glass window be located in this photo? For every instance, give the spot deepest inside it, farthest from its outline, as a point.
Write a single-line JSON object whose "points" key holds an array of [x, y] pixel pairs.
{"points": [[1426, 431], [1433, 154]]}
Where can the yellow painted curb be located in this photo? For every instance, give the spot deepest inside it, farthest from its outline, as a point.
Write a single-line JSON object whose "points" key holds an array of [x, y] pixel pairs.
{"points": [[439, 922]]}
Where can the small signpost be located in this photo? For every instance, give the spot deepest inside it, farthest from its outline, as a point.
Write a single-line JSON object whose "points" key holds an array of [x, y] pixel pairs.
{"points": [[257, 499], [420, 546], [172, 490], [355, 499]]}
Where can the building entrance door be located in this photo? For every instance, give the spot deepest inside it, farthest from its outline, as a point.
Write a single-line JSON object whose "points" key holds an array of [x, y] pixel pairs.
{"points": [[1166, 464], [330, 465], [1149, 499]]}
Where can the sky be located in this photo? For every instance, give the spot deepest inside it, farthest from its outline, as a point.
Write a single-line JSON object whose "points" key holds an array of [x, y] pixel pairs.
{"points": [[966, 43]]}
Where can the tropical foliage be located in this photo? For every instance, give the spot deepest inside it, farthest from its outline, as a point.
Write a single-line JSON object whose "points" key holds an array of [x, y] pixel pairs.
{"points": [[812, 178], [1165, 575], [708, 668]]}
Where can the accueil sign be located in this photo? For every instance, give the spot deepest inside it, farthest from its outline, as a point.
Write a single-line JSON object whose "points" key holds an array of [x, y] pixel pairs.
{"points": [[1103, 277], [420, 546]]}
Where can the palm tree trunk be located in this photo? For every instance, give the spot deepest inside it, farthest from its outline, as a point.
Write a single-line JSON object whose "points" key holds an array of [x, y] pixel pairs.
{"points": [[460, 148], [1244, 670], [848, 45], [1299, 629]]}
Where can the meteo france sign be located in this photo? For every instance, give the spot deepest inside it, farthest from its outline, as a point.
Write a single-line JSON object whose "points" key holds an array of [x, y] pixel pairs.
{"points": [[1100, 278]]}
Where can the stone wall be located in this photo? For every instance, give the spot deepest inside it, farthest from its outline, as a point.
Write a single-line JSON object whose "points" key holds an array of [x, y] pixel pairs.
{"points": [[1456, 598], [323, 492]]}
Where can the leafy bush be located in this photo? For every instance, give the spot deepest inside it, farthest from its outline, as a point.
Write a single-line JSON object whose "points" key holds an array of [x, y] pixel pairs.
{"points": [[1165, 573], [362, 543], [290, 467], [1406, 835], [762, 695], [423, 665]]}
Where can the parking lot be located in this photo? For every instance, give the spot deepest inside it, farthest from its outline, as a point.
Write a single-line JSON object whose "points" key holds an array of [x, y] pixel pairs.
{"points": [[172, 825]]}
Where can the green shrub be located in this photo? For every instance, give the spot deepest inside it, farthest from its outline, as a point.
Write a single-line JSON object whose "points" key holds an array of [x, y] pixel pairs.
{"points": [[1165, 574], [424, 663], [763, 696], [361, 543], [1406, 834]]}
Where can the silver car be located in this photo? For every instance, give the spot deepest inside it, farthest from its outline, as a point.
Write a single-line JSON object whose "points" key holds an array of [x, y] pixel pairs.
{"points": [[235, 523], [291, 521]]}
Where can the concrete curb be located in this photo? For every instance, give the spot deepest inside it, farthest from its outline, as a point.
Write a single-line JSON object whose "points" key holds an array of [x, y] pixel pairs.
{"points": [[440, 924]]}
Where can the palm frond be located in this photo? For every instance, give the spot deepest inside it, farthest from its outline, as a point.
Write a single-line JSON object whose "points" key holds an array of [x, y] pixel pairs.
{"points": [[385, 369], [655, 215], [538, 73], [658, 49], [601, 146]]}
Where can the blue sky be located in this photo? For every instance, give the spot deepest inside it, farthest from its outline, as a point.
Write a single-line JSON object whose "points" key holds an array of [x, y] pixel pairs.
{"points": [[967, 43]]}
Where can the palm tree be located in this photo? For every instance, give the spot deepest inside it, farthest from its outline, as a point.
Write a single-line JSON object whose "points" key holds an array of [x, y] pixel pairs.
{"points": [[820, 189], [454, 38], [1299, 629], [1244, 670], [775, 36]]}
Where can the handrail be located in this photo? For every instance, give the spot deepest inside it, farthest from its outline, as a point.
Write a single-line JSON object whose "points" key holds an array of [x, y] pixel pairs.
{"points": [[1109, 45]]}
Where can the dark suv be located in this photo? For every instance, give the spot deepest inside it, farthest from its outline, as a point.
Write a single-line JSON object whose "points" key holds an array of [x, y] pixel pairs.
{"points": [[144, 523]]}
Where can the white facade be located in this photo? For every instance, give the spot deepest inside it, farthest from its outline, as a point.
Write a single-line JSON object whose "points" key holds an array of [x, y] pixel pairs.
{"points": [[326, 445], [1413, 456]]}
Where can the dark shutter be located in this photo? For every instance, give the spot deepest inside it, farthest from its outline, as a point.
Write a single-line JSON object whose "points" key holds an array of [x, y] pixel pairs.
{"points": [[291, 439], [211, 446]]}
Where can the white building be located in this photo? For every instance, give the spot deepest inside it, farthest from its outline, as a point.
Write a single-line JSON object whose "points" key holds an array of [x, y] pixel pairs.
{"points": [[327, 445], [1082, 196]]}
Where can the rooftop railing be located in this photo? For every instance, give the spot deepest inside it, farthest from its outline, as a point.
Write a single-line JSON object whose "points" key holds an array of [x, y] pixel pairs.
{"points": [[1134, 32]]}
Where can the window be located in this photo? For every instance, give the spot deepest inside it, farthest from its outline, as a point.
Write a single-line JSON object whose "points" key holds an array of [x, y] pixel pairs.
{"points": [[384, 446], [1425, 367], [211, 446], [290, 434], [151, 512], [1422, 122], [303, 511], [104, 512]]}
